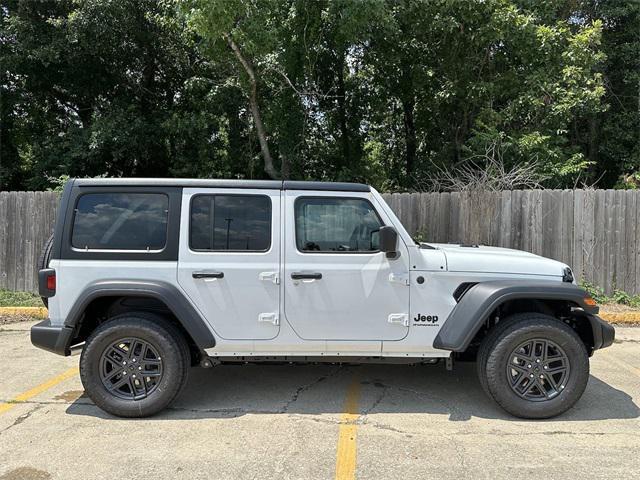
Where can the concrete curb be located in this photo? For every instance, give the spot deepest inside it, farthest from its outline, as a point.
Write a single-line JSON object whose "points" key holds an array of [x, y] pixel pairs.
{"points": [[34, 312], [622, 317]]}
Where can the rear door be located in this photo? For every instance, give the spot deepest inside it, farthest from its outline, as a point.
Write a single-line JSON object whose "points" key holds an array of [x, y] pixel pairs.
{"points": [[229, 261]]}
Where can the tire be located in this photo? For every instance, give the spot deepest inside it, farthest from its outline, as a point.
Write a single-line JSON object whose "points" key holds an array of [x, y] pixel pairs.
{"points": [[508, 377], [164, 346], [43, 261]]}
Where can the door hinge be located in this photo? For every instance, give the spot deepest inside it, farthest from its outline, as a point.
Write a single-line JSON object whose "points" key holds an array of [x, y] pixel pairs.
{"points": [[270, 317], [402, 278], [401, 318], [270, 277]]}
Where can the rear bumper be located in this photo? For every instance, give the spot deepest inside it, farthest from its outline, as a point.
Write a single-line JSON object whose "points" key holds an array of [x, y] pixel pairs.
{"points": [[603, 333], [53, 338]]}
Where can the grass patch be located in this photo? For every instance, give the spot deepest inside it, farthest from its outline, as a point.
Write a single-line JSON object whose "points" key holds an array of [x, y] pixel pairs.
{"points": [[19, 299]]}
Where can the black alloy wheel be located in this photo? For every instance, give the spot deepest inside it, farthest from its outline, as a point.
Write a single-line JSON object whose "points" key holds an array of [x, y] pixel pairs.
{"points": [[533, 365], [538, 370], [134, 364], [131, 368]]}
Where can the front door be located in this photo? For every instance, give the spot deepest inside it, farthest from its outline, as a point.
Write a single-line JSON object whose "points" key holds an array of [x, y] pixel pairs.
{"points": [[229, 261], [337, 284]]}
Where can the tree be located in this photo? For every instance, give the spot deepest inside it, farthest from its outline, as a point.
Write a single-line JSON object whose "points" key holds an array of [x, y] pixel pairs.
{"points": [[324, 90], [241, 25]]}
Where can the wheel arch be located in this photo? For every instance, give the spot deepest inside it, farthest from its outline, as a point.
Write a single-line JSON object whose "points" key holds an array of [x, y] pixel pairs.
{"points": [[486, 301], [104, 299]]}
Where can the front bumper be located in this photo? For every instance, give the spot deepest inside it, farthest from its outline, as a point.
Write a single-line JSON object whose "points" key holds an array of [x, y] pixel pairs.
{"points": [[53, 338], [603, 333]]}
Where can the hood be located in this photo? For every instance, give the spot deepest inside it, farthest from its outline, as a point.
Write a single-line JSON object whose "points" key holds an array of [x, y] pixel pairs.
{"points": [[481, 259]]}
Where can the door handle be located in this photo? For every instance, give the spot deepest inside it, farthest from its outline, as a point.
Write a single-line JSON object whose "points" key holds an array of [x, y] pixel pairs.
{"points": [[207, 274], [400, 318], [269, 318], [306, 275], [399, 278], [270, 277]]}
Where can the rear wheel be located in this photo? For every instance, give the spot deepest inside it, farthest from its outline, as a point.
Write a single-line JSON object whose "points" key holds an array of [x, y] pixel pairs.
{"points": [[533, 366], [134, 365]]}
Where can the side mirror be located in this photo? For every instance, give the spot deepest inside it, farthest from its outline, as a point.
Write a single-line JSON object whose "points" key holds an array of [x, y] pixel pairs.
{"points": [[389, 241]]}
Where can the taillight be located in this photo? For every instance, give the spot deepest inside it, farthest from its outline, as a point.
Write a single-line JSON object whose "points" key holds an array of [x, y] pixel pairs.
{"points": [[47, 282], [51, 282]]}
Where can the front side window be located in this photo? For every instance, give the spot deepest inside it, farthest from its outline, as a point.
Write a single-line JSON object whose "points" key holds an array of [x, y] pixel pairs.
{"points": [[121, 221], [230, 222], [336, 225]]}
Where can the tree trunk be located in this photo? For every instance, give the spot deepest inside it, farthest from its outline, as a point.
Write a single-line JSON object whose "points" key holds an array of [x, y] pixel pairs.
{"points": [[255, 109], [593, 139], [285, 167], [408, 107], [85, 112], [342, 113], [410, 134]]}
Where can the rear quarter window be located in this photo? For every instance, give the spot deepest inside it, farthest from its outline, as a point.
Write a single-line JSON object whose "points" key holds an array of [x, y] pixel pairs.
{"points": [[120, 221]]}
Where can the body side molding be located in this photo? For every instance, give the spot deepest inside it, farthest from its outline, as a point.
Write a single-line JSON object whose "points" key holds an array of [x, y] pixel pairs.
{"points": [[480, 300]]}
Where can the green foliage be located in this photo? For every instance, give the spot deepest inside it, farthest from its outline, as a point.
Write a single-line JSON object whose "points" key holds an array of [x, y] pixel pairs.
{"points": [[19, 299], [629, 182], [420, 236], [58, 183], [595, 292], [618, 296], [374, 91], [624, 298]]}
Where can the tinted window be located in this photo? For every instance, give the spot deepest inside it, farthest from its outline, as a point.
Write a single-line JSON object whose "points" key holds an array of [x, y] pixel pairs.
{"points": [[122, 221], [336, 225], [230, 222]]}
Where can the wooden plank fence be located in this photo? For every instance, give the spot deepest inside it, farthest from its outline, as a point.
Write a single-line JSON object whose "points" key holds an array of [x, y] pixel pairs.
{"points": [[594, 231], [26, 222], [597, 232]]}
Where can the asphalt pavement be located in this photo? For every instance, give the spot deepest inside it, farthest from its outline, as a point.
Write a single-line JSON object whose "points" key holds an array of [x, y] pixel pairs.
{"points": [[314, 422]]}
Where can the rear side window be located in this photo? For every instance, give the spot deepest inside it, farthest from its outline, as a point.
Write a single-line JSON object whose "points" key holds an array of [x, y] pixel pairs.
{"points": [[325, 224], [230, 222], [121, 221]]}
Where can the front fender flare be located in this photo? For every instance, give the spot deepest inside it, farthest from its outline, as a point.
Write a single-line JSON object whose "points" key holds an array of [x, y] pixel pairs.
{"points": [[476, 305]]}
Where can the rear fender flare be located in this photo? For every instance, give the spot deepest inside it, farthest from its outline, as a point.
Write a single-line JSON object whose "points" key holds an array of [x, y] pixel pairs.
{"points": [[173, 298]]}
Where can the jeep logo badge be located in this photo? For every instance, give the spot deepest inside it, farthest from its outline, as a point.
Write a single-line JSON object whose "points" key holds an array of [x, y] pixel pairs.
{"points": [[426, 318]]}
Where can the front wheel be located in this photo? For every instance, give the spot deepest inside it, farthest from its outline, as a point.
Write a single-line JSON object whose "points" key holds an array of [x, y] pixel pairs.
{"points": [[533, 366], [134, 365]]}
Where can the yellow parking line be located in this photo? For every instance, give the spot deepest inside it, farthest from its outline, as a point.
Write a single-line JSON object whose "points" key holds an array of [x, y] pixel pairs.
{"points": [[23, 397], [346, 455]]}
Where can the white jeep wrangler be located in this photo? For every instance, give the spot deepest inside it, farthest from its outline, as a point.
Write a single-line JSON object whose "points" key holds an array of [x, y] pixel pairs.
{"points": [[149, 276]]}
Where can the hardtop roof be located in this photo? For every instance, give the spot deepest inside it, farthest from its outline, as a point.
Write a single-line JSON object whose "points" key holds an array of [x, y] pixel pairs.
{"points": [[222, 183]]}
